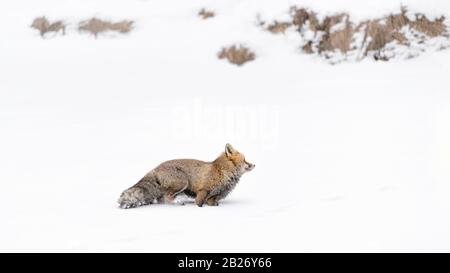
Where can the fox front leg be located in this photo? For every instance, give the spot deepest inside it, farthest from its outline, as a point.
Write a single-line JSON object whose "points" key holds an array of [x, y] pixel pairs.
{"points": [[212, 201], [201, 197]]}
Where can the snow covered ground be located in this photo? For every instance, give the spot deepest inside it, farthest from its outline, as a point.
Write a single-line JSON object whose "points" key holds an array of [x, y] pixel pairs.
{"points": [[349, 157]]}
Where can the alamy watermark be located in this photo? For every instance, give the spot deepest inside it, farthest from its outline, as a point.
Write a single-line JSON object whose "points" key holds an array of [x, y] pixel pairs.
{"points": [[200, 121]]}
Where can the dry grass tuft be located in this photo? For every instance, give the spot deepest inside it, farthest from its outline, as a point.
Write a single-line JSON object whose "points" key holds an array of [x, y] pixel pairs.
{"points": [[122, 26], [301, 16], [277, 27], [331, 39], [237, 55], [206, 14], [340, 38], [338, 33], [389, 31], [96, 26], [379, 35], [44, 26], [330, 21], [385, 30], [430, 28], [397, 21]]}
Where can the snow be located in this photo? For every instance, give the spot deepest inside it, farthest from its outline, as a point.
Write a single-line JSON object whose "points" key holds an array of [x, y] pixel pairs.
{"points": [[349, 157]]}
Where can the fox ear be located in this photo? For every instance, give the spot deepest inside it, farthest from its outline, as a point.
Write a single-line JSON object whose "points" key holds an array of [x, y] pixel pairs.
{"points": [[229, 150]]}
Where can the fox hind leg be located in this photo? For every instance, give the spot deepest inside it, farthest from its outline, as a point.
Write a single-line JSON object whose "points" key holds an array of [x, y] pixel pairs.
{"points": [[176, 187], [171, 197]]}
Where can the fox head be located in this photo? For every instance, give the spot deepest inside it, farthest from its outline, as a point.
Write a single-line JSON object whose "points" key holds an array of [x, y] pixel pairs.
{"points": [[238, 159]]}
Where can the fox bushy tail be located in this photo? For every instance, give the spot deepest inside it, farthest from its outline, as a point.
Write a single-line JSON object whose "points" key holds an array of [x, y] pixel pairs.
{"points": [[142, 193]]}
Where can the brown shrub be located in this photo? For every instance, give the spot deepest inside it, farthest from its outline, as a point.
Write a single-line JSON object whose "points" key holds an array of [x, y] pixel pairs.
{"points": [[430, 28], [236, 54], [331, 21], [122, 26], [301, 16], [381, 31], [377, 33], [397, 21], [44, 26], [205, 14], [277, 27], [96, 26], [385, 30], [380, 35], [339, 39]]}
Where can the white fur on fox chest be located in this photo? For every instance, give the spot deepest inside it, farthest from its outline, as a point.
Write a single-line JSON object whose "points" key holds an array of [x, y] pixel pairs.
{"points": [[230, 181]]}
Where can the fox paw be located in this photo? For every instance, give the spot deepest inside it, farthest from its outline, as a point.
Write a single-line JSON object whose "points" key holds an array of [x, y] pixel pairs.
{"points": [[213, 203]]}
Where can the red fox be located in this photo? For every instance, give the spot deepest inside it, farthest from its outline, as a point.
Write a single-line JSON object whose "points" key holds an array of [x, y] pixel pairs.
{"points": [[206, 181]]}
